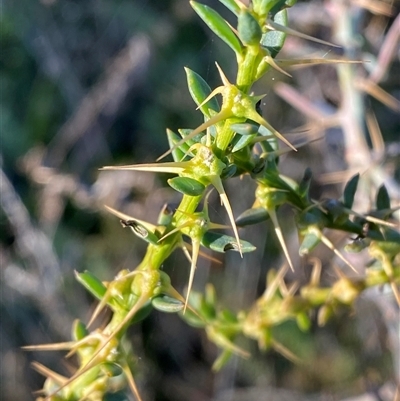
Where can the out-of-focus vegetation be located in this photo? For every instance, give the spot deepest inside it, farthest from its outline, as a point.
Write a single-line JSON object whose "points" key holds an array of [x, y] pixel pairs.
{"points": [[93, 83]]}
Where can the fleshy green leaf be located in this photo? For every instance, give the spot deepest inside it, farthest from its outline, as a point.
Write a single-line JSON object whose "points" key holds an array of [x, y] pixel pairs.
{"points": [[184, 132], [310, 241], [92, 284], [265, 7], [165, 216], [228, 171], [227, 316], [273, 40], [249, 29], [222, 360], [223, 243], [245, 128], [303, 321], [350, 191], [243, 141], [304, 185], [252, 216], [167, 304], [193, 320], [231, 5], [270, 145], [178, 154], [200, 90], [382, 199], [79, 330], [142, 313], [280, 4], [207, 310], [218, 25], [187, 186], [111, 369]]}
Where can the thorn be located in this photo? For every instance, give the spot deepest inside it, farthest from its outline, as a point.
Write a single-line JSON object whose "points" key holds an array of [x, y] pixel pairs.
{"points": [[216, 181], [215, 92], [329, 244], [273, 64], [185, 245], [49, 347], [44, 371], [195, 254], [316, 271], [94, 359], [315, 61], [187, 224], [107, 296], [126, 217], [396, 292], [168, 167], [258, 119], [285, 352], [278, 27], [224, 79], [279, 234], [274, 285], [131, 382], [222, 115]]}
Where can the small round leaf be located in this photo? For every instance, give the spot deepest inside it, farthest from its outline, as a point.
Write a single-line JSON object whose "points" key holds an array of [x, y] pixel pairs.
{"points": [[187, 186]]}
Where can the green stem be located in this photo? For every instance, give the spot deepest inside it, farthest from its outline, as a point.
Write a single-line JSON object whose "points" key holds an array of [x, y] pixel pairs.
{"points": [[247, 69], [224, 137]]}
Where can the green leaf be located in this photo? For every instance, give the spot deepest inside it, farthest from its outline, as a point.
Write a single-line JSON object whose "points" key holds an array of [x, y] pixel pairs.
{"points": [[303, 321], [142, 313], [249, 29], [199, 90], [382, 199], [228, 171], [223, 243], [207, 310], [178, 154], [310, 241], [243, 141], [141, 231], [184, 132], [92, 284], [281, 4], [210, 296], [231, 5], [193, 320], [265, 7], [222, 360], [245, 128], [350, 191], [227, 316], [252, 216], [165, 216], [270, 145], [273, 40], [218, 25], [304, 185], [167, 304], [79, 330], [111, 369], [187, 186]]}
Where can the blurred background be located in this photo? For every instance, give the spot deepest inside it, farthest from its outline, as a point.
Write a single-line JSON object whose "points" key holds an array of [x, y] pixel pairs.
{"points": [[91, 83]]}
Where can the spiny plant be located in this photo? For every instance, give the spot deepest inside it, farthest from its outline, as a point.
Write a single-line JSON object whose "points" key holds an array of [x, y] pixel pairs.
{"points": [[234, 140]]}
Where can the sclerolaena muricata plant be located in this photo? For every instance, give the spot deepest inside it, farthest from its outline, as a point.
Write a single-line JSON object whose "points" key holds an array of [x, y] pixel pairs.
{"points": [[233, 140]]}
